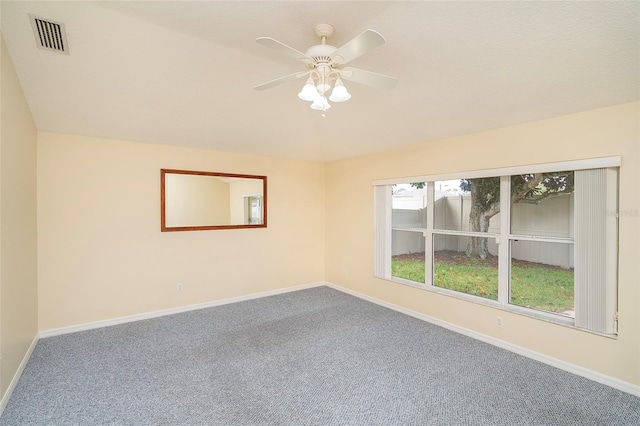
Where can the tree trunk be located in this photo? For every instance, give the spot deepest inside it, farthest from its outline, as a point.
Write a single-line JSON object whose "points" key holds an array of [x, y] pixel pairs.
{"points": [[477, 246], [479, 219]]}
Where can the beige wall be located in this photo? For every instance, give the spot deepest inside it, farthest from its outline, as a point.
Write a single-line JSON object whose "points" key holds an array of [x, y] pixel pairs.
{"points": [[598, 133], [101, 252], [195, 200], [18, 263]]}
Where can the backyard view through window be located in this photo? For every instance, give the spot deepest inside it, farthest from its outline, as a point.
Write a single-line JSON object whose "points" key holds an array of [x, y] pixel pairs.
{"points": [[541, 272], [454, 270], [464, 261], [409, 221], [540, 240]]}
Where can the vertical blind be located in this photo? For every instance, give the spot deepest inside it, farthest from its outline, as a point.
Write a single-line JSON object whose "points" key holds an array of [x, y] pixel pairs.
{"points": [[382, 231], [595, 227]]}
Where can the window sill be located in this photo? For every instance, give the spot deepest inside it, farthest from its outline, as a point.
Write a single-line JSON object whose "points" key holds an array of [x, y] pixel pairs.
{"points": [[519, 310]]}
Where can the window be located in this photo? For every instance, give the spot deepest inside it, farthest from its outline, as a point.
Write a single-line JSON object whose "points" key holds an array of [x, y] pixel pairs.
{"points": [[541, 241], [408, 221], [537, 240], [465, 256]]}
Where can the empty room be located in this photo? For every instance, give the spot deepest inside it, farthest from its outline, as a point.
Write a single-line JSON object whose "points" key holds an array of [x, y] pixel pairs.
{"points": [[319, 213]]}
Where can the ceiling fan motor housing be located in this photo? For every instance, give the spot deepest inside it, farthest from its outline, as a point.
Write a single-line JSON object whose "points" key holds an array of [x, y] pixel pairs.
{"points": [[321, 53]]}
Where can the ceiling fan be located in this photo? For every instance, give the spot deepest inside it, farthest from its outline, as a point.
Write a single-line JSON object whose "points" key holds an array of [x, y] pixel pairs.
{"points": [[325, 67]]}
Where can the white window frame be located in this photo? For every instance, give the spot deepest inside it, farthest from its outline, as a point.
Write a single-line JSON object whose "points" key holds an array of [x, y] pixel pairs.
{"points": [[383, 237]]}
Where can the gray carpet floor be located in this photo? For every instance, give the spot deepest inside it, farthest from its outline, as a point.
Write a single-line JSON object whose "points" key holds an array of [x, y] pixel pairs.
{"points": [[310, 357]]}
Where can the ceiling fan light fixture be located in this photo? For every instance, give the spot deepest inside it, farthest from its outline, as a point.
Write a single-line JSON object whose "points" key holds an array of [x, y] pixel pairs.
{"points": [[320, 104], [325, 67], [339, 92], [309, 91]]}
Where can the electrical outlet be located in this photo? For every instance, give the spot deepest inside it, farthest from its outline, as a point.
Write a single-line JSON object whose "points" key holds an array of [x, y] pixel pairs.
{"points": [[499, 322], [179, 287]]}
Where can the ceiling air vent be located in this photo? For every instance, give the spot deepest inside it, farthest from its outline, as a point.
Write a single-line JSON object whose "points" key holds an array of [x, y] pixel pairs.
{"points": [[49, 35]]}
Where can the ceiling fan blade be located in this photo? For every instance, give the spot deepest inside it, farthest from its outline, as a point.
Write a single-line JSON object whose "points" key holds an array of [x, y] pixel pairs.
{"points": [[280, 80], [358, 46], [368, 78], [283, 48]]}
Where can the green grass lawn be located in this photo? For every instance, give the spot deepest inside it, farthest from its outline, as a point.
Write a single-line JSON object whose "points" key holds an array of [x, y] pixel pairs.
{"points": [[534, 286]]}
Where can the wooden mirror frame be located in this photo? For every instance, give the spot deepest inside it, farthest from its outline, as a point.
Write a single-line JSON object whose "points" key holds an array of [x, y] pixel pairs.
{"points": [[163, 216]]}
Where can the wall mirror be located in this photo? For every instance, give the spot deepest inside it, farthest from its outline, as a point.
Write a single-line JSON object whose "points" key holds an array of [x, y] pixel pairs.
{"points": [[193, 201]]}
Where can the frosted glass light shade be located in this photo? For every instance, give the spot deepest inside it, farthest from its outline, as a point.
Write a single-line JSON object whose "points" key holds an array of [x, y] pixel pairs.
{"points": [[323, 87], [339, 93], [320, 104], [309, 91]]}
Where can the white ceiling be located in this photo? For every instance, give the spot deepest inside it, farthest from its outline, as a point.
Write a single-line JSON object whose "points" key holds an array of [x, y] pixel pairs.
{"points": [[182, 72]]}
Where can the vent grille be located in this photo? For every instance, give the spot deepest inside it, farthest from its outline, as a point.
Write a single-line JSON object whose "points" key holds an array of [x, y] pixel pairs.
{"points": [[323, 58], [49, 35]]}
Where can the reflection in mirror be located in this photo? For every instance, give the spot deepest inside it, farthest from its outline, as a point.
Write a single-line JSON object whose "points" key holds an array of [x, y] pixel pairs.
{"points": [[192, 200]]}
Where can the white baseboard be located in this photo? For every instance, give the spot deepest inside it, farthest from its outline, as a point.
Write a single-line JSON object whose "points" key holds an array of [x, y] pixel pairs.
{"points": [[554, 362], [154, 314], [16, 376]]}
